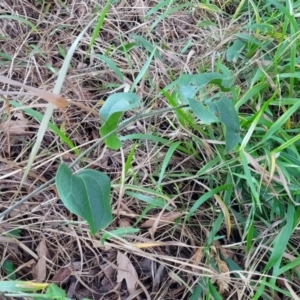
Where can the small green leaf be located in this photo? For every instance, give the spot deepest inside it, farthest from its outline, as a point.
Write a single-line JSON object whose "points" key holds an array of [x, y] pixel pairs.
{"points": [[86, 194], [230, 119], [190, 84], [112, 111], [146, 44], [39, 117], [15, 233], [206, 23], [204, 198], [99, 24], [234, 50], [119, 102], [112, 141], [54, 292], [204, 112], [197, 292], [9, 268]]}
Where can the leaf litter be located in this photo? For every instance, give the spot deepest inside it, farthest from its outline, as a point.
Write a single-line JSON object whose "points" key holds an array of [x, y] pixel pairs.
{"points": [[127, 272], [39, 271]]}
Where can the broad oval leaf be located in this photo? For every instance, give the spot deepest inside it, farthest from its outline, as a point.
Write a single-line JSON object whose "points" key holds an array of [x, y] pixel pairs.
{"points": [[119, 102], [86, 194]]}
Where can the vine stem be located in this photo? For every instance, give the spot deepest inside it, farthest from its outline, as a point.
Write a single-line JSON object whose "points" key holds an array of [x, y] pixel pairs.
{"points": [[123, 125]]}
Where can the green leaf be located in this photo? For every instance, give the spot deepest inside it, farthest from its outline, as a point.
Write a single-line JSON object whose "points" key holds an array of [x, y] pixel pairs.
{"points": [[212, 291], [111, 113], [21, 20], [197, 292], [9, 268], [54, 292], [166, 162], [119, 102], [155, 202], [204, 198], [209, 7], [112, 141], [230, 119], [86, 194], [146, 44], [234, 50], [207, 112], [204, 111], [282, 239], [189, 85]]}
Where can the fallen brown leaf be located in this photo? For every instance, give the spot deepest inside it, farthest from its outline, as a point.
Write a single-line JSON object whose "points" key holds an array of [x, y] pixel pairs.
{"points": [[16, 127], [62, 274], [39, 270], [162, 219], [223, 283], [124, 222], [52, 98], [126, 271], [196, 258]]}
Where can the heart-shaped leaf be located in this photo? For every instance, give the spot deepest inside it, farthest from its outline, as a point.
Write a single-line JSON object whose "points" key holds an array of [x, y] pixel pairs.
{"points": [[86, 194]]}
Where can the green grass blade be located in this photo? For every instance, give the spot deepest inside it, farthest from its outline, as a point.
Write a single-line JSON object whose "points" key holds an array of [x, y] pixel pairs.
{"points": [[143, 71], [249, 178], [59, 82], [99, 24], [112, 65], [39, 117], [279, 123], [166, 162], [204, 198], [282, 239], [21, 20]]}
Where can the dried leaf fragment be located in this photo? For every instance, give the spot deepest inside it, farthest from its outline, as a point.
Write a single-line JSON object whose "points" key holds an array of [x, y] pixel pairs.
{"points": [[17, 126], [165, 218], [196, 258], [126, 271], [223, 283], [62, 274], [52, 98], [39, 270]]}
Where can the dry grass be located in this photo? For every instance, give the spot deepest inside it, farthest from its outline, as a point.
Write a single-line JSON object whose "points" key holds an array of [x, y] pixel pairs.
{"points": [[74, 259]]}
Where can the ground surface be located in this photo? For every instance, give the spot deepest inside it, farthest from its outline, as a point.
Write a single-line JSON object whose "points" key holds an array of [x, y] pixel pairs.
{"points": [[171, 256]]}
